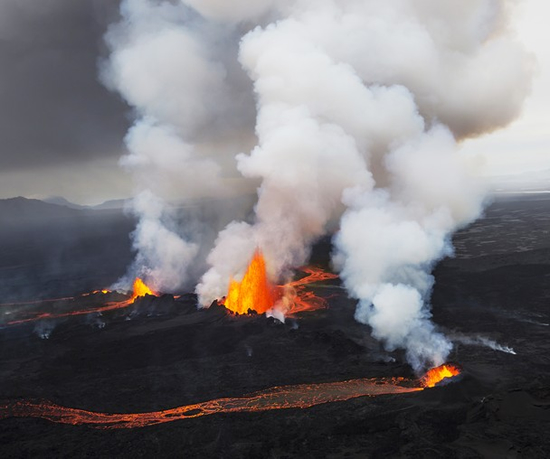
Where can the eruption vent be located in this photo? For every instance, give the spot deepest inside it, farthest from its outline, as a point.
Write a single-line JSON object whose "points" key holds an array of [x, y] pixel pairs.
{"points": [[436, 375], [140, 289], [254, 292]]}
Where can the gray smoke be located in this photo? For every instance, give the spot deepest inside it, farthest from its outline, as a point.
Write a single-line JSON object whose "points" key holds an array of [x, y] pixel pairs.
{"points": [[166, 63], [481, 341], [360, 106]]}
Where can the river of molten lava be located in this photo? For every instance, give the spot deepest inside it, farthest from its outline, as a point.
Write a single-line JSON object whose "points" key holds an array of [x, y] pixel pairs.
{"points": [[255, 292], [140, 289], [297, 299], [276, 398]]}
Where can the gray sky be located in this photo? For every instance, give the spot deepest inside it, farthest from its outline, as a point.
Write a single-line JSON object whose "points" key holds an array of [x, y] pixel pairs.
{"points": [[61, 132], [521, 152]]}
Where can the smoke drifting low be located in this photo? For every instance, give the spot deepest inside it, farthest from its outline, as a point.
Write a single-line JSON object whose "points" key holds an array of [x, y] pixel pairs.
{"points": [[355, 108]]}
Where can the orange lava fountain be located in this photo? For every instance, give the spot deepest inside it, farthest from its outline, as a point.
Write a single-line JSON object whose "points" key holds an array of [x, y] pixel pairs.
{"points": [[254, 292], [438, 374], [140, 289]]}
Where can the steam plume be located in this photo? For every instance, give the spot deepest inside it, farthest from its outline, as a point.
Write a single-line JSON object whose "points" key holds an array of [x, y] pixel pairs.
{"points": [[360, 106], [164, 62], [481, 341]]}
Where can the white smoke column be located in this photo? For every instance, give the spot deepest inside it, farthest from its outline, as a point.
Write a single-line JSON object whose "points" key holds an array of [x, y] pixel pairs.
{"points": [[360, 105], [163, 64], [315, 121], [367, 100], [391, 238]]}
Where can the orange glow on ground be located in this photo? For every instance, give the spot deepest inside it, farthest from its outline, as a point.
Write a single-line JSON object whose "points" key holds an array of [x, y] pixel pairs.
{"points": [[276, 398], [438, 374], [97, 292], [297, 299], [140, 289]]}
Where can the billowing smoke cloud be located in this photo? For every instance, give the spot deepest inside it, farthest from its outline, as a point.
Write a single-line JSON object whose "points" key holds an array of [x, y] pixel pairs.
{"points": [[166, 63], [360, 106]]}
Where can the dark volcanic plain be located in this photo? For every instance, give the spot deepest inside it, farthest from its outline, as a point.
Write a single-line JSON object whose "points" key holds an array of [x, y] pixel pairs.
{"points": [[163, 353]]}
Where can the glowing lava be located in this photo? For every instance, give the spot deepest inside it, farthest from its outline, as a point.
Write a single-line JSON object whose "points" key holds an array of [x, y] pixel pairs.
{"points": [[297, 299], [276, 398], [140, 289], [97, 292], [438, 374], [254, 292]]}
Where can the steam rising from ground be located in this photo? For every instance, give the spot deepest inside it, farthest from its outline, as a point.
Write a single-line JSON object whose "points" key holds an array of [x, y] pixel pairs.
{"points": [[481, 341], [359, 106]]}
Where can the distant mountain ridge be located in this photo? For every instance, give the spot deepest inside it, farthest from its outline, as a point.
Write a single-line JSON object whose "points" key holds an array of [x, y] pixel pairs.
{"points": [[21, 210], [61, 201]]}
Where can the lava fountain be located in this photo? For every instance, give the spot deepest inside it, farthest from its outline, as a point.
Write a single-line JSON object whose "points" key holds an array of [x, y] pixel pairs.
{"points": [[140, 289], [255, 293], [275, 398], [438, 374]]}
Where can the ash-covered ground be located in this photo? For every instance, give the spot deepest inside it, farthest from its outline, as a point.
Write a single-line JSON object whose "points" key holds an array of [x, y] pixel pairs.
{"points": [[491, 299]]}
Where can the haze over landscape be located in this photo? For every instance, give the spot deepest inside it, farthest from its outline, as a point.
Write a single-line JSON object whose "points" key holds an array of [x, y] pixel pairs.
{"points": [[62, 131], [282, 228]]}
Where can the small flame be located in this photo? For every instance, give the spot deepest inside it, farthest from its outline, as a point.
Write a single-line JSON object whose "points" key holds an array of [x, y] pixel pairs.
{"points": [[96, 292], [141, 289], [254, 292], [438, 374]]}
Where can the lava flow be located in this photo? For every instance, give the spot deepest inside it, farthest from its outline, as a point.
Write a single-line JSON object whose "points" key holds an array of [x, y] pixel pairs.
{"points": [[256, 293], [140, 289], [297, 299], [276, 398]]}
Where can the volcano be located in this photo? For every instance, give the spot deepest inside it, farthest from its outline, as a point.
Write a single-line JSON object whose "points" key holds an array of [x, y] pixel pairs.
{"points": [[160, 377]]}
